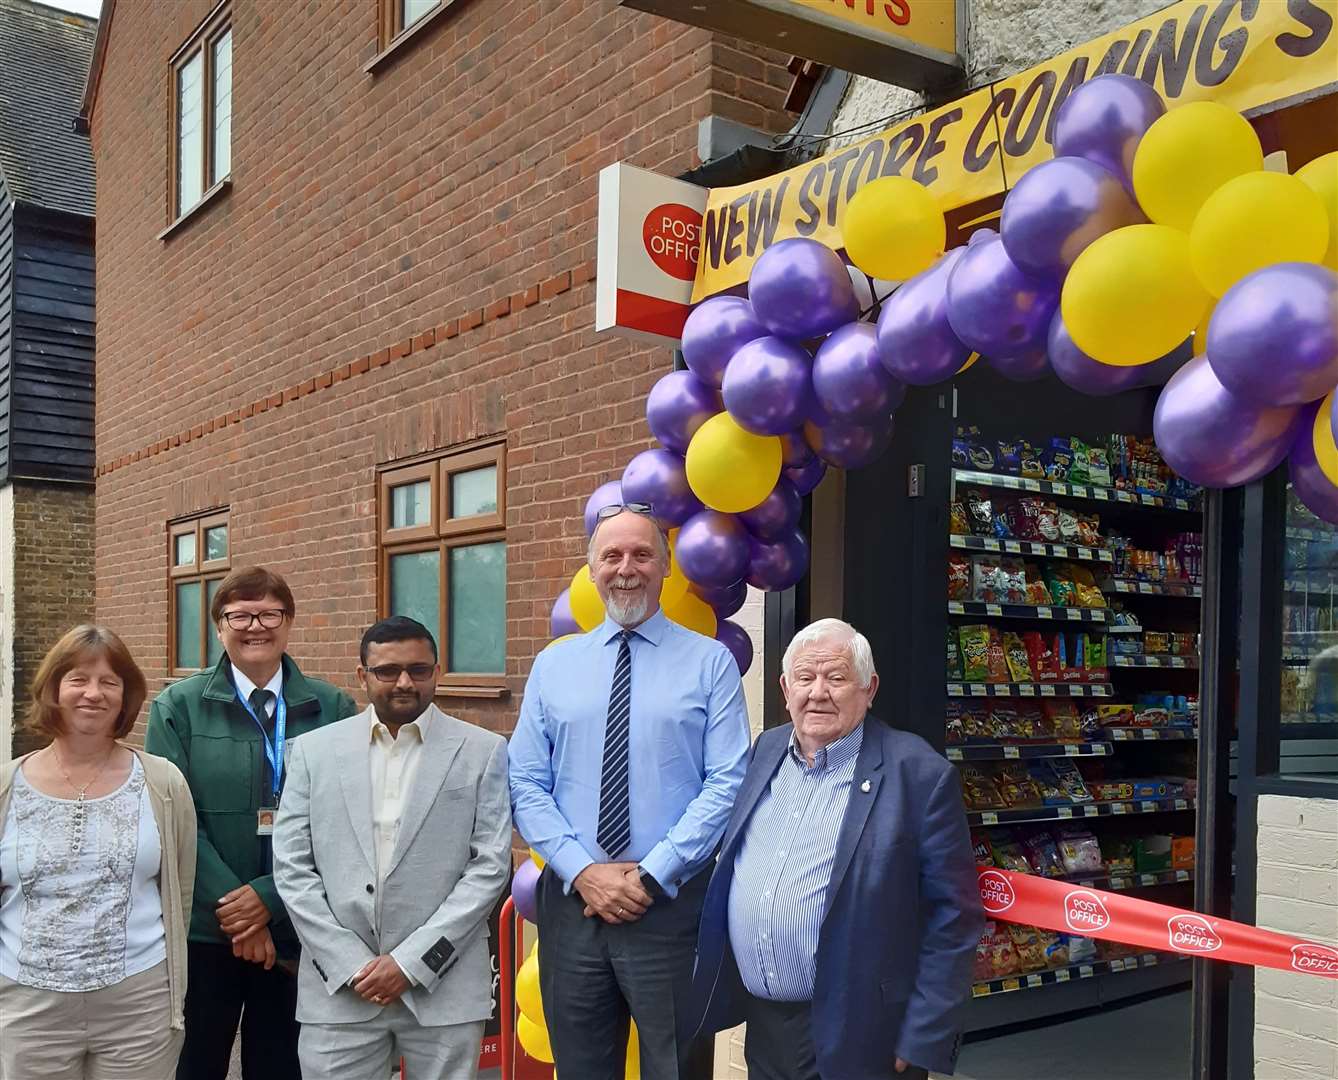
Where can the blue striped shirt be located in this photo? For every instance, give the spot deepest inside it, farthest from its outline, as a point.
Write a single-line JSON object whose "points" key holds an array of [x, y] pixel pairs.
{"points": [[784, 867]]}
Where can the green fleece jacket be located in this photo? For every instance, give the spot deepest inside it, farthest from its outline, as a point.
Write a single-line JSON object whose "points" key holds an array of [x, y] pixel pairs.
{"points": [[199, 725]]}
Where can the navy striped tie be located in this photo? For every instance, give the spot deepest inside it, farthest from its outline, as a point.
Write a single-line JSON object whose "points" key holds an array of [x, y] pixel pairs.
{"points": [[615, 817]]}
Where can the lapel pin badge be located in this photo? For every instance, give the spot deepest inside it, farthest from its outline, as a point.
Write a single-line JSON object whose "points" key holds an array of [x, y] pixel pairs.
{"points": [[865, 786]]}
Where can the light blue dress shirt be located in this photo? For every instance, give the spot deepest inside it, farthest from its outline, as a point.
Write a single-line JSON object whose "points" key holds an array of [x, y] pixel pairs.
{"points": [[784, 867], [687, 751]]}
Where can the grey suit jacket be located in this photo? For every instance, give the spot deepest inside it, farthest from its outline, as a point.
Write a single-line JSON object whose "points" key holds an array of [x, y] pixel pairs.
{"points": [[451, 862]]}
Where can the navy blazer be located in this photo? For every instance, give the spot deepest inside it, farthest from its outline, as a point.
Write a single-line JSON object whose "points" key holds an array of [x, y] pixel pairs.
{"points": [[903, 914]]}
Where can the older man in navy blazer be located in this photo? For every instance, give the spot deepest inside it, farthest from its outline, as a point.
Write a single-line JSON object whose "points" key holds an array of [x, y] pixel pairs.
{"points": [[842, 918]]}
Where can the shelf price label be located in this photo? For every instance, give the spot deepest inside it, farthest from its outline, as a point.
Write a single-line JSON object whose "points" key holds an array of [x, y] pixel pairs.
{"points": [[1148, 879], [1062, 975], [1011, 752], [1033, 980], [993, 609], [1026, 690], [1101, 493], [1151, 734], [1117, 965], [1047, 690], [954, 754], [1150, 960], [1013, 546], [1151, 661], [1119, 808], [1084, 553], [989, 817], [1072, 751], [1119, 883], [1064, 812], [1044, 613], [991, 545], [1030, 485], [1124, 497], [1098, 691], [1011, 984], [980, 990], [1177, 661], [1100, 749], [1182, 875], [1091, 811], [1149, 807], [1085, 971], [1181, 804], [979, 690]]}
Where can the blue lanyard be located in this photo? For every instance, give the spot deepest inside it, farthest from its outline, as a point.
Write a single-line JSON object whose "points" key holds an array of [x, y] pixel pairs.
{"points": [[273, 751]]}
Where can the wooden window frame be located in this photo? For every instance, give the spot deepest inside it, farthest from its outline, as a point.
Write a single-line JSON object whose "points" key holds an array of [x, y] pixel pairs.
{"points": [[201, 570], [200, 43], [442, 534], [392, 36]]}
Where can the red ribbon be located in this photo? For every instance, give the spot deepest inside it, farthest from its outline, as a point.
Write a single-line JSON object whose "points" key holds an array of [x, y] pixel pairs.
{"points": [[1058, 905]]}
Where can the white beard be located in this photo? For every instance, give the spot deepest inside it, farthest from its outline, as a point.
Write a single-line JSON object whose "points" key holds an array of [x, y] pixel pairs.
{"points": [[627, 610]]}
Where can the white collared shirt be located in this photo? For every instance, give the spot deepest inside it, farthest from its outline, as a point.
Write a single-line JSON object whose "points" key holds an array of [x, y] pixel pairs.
{"points": [[246, 686], [394, 760]]}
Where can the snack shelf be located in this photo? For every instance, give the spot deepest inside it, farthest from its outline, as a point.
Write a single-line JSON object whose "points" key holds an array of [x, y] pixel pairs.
{"points": [[1074, 552], [1078, 811], [1008, 752], [1077, 491], [1154, 661], [1124, 628], [1041, 612], [1030, 689], [1072, 972], [1152, 734], [1154, 588], [1124, 882]]}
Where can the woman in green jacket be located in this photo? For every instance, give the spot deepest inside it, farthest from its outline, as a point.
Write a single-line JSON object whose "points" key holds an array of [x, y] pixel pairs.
{"points": [[226, 729]]}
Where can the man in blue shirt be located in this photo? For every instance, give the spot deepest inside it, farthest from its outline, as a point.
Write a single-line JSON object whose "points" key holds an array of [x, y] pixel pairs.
{"points": [[630, 748]]}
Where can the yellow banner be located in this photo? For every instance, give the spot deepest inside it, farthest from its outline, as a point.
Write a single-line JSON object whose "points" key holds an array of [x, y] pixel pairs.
{"points": [[1243, 53]]}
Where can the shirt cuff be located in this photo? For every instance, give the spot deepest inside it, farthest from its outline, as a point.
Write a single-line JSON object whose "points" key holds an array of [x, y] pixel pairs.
{"points": [[665, 867], [568, 861], [408, 975]]}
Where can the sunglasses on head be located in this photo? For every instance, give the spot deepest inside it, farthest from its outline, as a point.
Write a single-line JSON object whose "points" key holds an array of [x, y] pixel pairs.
{"points": [[614, 509]]}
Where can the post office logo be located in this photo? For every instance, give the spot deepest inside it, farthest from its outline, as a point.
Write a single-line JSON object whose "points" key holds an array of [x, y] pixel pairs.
{"points": [[1192, 934], [1315, 959], [672, 235], [1084, 912], [996, 892]]}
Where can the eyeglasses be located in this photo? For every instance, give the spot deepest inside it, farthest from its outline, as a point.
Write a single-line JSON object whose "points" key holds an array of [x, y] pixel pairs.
{"points": [[390, 673], [614, 509], [244, 620]]}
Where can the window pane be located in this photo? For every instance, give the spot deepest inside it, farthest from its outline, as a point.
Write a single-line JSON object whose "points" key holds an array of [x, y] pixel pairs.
{"points": [[416, 9], [222, 107], [213, 647], [474, 492], [190, 133], [411, 504], [216, 543], [478, 608], [415, 588], [185, 550], [188, 624]]}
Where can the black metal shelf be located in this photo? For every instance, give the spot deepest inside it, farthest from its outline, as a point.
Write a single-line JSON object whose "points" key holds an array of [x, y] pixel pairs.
{"points": [[1072, 972], [1124, 882], [1166, 734], [1073, 552], [1173, 662], [1131, 587], [1091, 492], [1024, 751], [1078, 811], [1030, 689], [1035, 612]]}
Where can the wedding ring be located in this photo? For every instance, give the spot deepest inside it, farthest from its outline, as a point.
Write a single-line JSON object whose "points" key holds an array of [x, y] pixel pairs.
{"points": [[620, 911]]}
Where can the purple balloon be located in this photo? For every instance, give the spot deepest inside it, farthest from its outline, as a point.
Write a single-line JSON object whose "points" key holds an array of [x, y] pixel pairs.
{"points": [[1211, 437], [726, 600], [807, 476], [735, 638], [794, 451], [915, 340], [800, 289], [776, 513], [1078, 370], [780, 563], [659, 477], [1025, 367], [1312, 487], [714, 332], [524, 886], [996, 308], [1104, 119], [1057, 209], [561, 621], [849, 446], [712, 548], [609, 493], [1274, 335], [677, 406], [768, 386], [849, 379]]}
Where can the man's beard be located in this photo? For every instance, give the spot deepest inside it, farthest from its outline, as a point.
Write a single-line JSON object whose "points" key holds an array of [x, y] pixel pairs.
{"points": [[627, 610]]}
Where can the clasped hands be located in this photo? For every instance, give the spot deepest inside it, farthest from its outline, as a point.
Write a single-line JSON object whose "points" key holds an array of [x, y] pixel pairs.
{"points": [[613, 891], [243, 916]]}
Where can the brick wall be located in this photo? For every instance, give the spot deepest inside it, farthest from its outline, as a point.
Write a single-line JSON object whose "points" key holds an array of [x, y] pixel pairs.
{"points": [[1295, 1025], [403, 263]]}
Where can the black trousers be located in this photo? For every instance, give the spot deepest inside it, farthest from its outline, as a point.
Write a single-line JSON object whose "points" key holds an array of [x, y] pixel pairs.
{"points": [[778, 1043], [596, 977], [223, 989]]}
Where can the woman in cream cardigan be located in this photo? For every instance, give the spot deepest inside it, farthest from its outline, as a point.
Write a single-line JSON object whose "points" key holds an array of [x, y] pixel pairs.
{"points": [[97, 865]]}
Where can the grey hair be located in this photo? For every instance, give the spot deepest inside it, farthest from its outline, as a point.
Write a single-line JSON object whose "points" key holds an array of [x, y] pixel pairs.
{"points": [[856, 644], [661, 540]]}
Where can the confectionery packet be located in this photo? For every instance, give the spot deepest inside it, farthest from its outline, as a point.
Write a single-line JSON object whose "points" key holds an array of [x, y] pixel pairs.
{"points": [[996, 659], [975, 645], [1070, 780], [987, 581], [1080, 852], [1043, 854], [1015, 652]]}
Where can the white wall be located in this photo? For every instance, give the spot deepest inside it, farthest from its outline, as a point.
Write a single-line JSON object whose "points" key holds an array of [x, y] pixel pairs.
{"points": [[6, 622]]}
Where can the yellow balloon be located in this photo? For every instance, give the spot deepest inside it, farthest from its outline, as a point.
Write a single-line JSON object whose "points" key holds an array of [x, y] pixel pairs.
{"points": [[564, 637], [675, 584], [539, 859], [970, 363], [1189, 153], [728, 468], [534, 1038], [1254, 221], [1321, 177], [1200, 344], [893, 228], [1326, 452], [529, 999], [632, 1069], [692, 611], [586, 606], [1132, 296]]}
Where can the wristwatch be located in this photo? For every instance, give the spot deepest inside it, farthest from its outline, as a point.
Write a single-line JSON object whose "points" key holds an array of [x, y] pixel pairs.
{"points": [[649, 883]]}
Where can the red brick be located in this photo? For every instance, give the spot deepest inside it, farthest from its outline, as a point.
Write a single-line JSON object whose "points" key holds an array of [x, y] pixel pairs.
{"points": [[425, 340], [380, 358], [361, 365], [583, 273], [498, 309], [555, 286], [324, 379], [448, 330], [471, 320]]}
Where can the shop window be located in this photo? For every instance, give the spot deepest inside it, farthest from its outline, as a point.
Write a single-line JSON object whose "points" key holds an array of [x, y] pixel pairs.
{"points": [[443, 559], [201, 114], [198, 559]]}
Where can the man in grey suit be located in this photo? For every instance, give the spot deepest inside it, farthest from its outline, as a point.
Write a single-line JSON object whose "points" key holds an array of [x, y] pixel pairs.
{"points": [[391, 846]]}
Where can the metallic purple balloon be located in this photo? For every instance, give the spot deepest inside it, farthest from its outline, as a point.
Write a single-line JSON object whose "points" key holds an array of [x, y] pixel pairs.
{"points": [[768, 386], [780, 563], [1026, 367], [849, 446], [776, 513], [607, 494], [1078, 370], [561, 621], [807, 476], [800, 289], [1212, 437], [712, 548], [794, 451], [1312, 487], [996, 308], [659, 477], [849, 379], [735, 638], [714, 332], [524, 885], [677, 406], [725, 601], [915, 340], [1104, 119], [1274, 335], [1057, 209]]}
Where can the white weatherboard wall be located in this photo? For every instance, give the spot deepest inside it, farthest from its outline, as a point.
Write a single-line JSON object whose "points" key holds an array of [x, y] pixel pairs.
{"points": [[1295, 1015]]}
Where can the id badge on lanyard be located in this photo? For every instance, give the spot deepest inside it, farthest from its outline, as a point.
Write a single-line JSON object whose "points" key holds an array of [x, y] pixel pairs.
{"points": [[273, 755]]}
